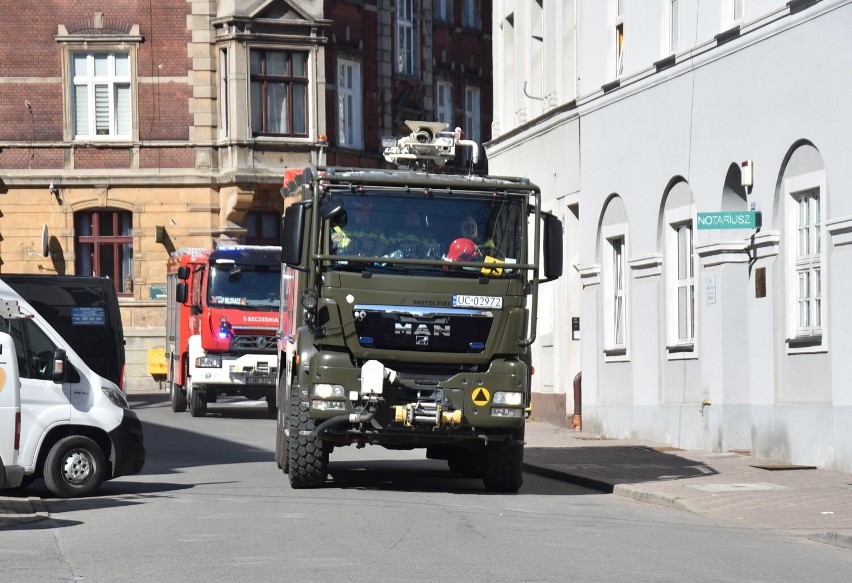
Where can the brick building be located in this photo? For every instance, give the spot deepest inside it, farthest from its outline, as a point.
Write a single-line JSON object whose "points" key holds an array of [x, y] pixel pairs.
{"points": [[129, 130]]}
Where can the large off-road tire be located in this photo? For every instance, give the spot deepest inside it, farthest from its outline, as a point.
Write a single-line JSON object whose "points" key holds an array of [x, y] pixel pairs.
{"points": [[178, 397], [503, 468], [75, 466], [308, 463], [197, 402]]}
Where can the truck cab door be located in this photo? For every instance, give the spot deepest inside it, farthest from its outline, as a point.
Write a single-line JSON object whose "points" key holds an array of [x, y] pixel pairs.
{"points": [[44, 402]]}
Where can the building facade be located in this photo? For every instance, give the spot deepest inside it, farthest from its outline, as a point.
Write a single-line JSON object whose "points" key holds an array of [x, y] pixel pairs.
{"points": [[131, 130], [702, 328]]}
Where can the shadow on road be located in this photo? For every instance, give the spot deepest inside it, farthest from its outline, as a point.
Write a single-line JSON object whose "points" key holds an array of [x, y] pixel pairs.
{"points": [[422, 476], [604, 466]]}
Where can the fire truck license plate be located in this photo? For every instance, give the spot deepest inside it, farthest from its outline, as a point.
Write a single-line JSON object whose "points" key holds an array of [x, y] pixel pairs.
{"points": [[260, 380], [465, 301]]}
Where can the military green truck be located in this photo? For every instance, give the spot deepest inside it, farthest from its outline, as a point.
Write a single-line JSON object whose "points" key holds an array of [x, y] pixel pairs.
{"points": [[409, 302]]}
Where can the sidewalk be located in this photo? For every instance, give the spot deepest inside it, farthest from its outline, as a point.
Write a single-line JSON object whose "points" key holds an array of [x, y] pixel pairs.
{"points": [[730, 487]]}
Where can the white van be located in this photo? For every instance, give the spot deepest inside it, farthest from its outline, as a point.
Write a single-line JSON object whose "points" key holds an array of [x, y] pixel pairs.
{"points": [[76, 429]]}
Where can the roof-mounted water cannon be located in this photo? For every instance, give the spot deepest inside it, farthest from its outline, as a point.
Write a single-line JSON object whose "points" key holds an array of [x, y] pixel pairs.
{"points": [[427, 146]]}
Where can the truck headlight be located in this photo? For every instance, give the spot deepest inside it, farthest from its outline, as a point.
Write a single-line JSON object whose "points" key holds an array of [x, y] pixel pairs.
{"points": [[329, 405], [504, 398], [327, 391], [115, 397], [208, 362]]}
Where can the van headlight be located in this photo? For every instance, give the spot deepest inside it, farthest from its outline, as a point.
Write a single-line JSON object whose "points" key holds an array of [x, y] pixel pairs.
{"points": [[116, 397]]}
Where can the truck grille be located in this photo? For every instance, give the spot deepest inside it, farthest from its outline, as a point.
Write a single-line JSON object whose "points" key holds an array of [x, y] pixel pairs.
{"points": [[255, 343]]}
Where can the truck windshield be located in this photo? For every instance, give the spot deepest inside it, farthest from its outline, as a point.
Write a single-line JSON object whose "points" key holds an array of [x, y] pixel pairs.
{"points": [[248, 287], [455, 227]]}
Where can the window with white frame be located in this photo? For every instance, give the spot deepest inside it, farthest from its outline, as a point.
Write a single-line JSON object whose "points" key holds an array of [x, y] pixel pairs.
{"points": [[444, 103], [405, 49], [738, 10], [349, 118], [472, 119], [680, 280], [279, 92], [674, 26], [101, 100], [615, 290], [223, 93], [805, 262], [619, 37]]}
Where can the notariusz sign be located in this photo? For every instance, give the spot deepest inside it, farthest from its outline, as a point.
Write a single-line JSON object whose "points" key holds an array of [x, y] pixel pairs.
{"points": [[729, 220]]}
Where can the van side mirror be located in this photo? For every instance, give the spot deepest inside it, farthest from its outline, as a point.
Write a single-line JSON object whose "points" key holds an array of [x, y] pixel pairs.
{"points": [[60, 361], [552, 247], [183, 272], [181, 292], [292, 231]]}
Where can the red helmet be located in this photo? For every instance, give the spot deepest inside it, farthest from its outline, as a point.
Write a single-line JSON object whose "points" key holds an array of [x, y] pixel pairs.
{"points": [[462, 250]]}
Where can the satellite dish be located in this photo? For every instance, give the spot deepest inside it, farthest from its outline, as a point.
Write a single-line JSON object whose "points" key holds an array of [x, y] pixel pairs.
{"points": [[44, 247]]}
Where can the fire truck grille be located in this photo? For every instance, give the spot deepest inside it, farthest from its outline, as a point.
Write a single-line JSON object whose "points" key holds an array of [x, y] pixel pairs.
{"points": [[246, 343]]}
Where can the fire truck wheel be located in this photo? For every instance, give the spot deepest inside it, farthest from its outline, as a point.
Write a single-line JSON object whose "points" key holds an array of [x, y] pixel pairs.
{"points": [[178, 398], [197, 404], [503, 469], [308, 463], [271, 404], [75, 466]]}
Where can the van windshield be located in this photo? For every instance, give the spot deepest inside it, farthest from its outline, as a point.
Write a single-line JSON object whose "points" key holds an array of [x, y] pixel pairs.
{"points": [[247, 287]]}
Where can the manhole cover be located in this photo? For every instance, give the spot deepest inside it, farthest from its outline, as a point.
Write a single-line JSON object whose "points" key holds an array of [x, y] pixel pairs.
{"points": [[781, 467]]}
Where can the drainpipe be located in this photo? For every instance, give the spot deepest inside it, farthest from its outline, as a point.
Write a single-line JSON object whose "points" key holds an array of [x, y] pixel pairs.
{"points": [[577, 419]]}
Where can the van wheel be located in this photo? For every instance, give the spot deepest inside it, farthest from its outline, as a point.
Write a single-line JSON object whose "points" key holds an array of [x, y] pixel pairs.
{"points": [[74, 466], [197, 404], [178, 398]]}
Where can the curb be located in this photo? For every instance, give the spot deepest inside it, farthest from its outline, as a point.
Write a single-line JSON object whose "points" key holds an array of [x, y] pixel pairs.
{"points": [[24, 511]]}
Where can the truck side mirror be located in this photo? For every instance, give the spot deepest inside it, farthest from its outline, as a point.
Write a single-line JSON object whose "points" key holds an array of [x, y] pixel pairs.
{"points": [[183, 272], [552, 247], [60, 360], [292, 230], [181, 292]]}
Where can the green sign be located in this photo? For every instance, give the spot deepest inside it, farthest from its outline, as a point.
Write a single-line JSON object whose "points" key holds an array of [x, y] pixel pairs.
{"points": [[157, 291], [729, 220]]}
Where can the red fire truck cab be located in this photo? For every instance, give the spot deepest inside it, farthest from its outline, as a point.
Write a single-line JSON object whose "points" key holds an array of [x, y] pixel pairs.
{"points": [[221, 323]]}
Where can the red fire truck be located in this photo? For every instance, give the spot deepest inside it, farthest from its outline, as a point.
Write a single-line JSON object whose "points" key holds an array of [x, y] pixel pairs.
{"points": [[221, 323]]}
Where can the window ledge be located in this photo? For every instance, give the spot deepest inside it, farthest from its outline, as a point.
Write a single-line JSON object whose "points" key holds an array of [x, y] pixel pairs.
{"points": [[680, 348], [622, 351], [805, 341]]}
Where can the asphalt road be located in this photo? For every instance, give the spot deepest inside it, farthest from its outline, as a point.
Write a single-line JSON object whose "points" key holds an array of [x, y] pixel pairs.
{"points": [[211, 505]]}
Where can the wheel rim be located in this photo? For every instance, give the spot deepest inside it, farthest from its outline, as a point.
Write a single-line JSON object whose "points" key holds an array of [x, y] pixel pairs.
{"points": [[78, 467]]}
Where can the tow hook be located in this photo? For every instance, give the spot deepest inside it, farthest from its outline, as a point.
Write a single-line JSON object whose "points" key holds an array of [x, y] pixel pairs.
{"points": [[426, 413]]}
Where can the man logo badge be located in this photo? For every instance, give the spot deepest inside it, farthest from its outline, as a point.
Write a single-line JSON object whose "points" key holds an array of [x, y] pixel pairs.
{"points": [[421, 340]]}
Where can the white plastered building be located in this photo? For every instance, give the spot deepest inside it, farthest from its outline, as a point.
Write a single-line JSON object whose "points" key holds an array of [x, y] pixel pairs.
{"points": [[646, 123]]}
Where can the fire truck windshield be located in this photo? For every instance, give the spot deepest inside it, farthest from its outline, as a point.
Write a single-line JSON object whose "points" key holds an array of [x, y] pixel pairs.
{"points": [[247, 287], [450, 227]]}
